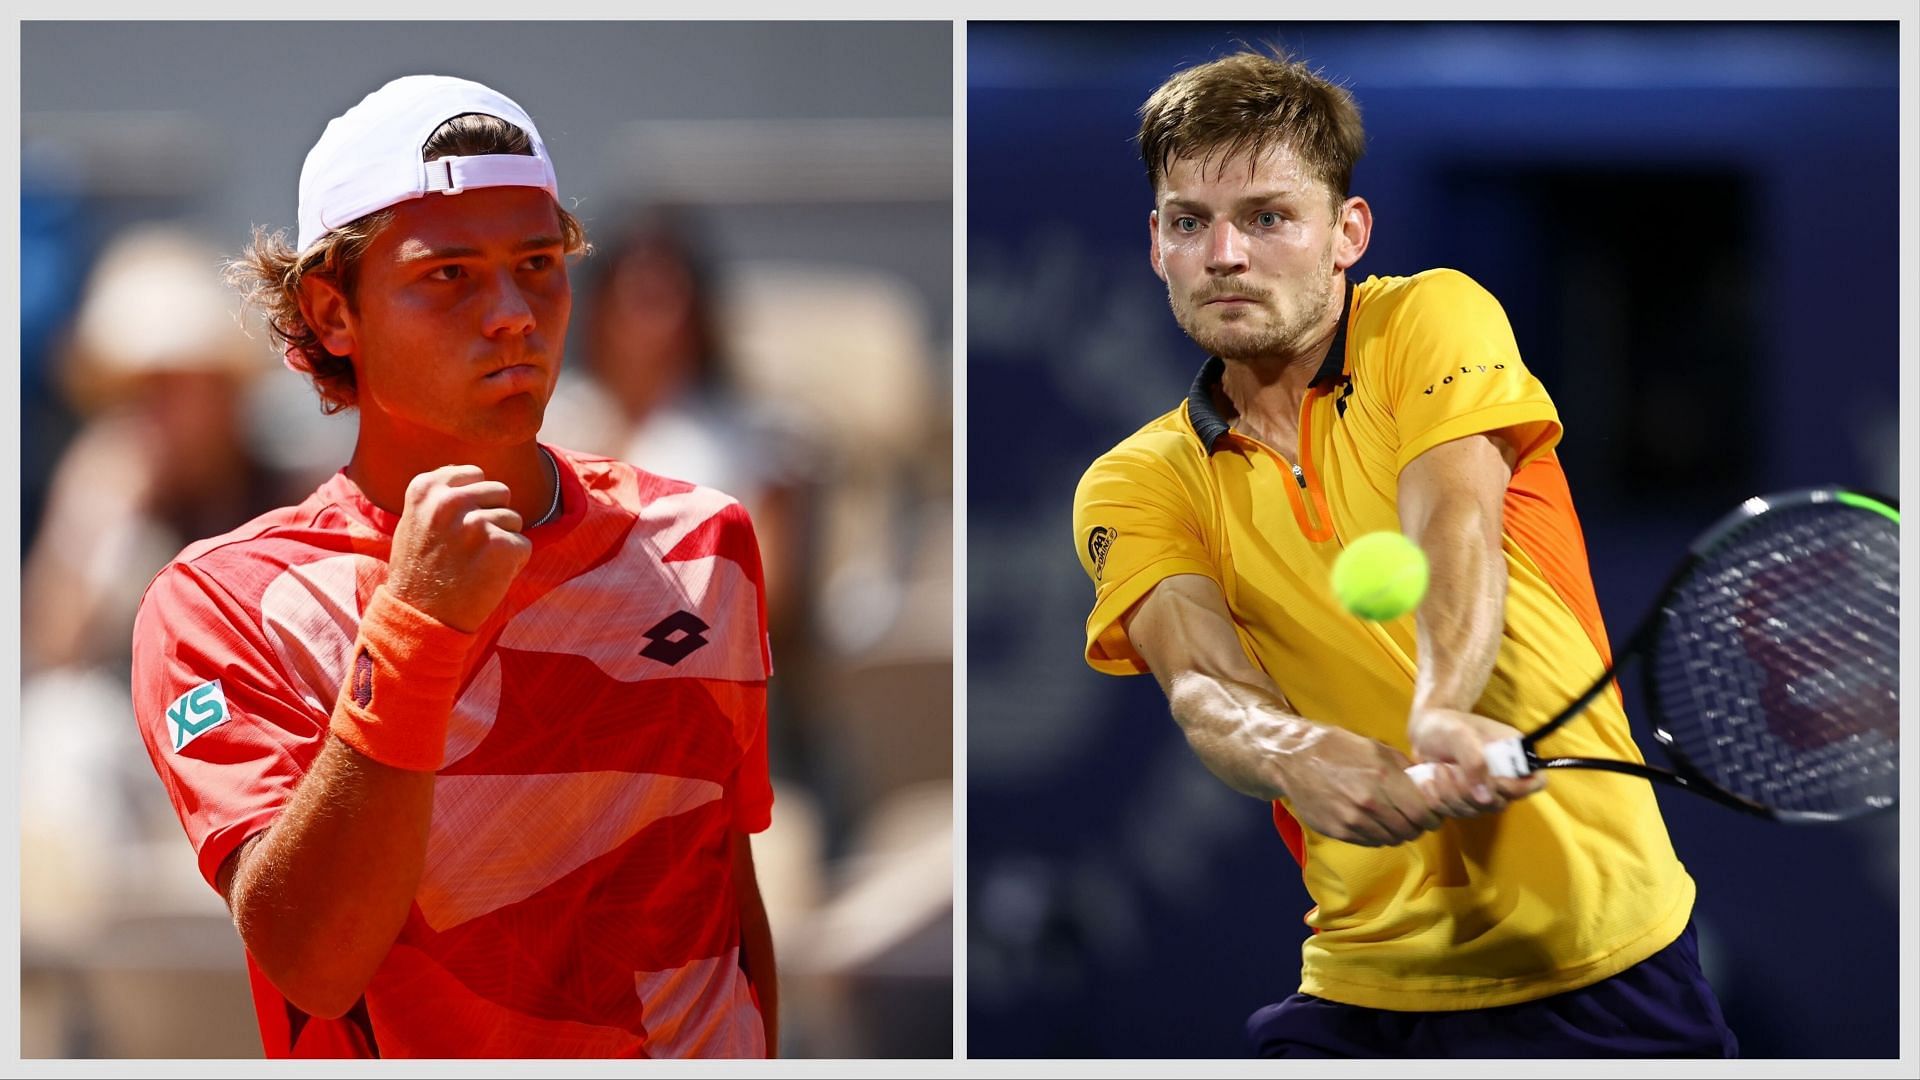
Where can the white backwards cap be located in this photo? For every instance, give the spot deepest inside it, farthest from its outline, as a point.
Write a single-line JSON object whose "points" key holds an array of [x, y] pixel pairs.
{"points": [[369, 157]]}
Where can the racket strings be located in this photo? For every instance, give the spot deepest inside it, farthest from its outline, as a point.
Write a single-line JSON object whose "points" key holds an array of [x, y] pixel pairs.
{"points": [[1778, 666]]}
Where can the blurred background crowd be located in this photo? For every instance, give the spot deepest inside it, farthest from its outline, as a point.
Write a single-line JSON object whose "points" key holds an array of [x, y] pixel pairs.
{"points": [[1693, 230], [768, 312]]}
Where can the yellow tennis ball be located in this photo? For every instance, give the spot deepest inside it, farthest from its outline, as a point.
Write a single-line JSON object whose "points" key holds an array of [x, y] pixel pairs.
{"points": [[1380, 576]]}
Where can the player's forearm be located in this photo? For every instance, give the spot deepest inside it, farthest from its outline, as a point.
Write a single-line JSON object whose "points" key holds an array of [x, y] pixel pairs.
{"points": [[1242, 732], [326, 893], [1236, 720], [1459, 623], [320, 897]]}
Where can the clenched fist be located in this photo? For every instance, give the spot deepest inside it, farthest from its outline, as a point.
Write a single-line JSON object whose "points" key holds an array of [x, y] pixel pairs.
{"points": [[457, 547], [1455, 741]]}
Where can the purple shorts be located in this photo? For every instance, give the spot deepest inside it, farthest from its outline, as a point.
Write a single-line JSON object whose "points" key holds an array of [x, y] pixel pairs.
{"points": [[1660, 1007]]}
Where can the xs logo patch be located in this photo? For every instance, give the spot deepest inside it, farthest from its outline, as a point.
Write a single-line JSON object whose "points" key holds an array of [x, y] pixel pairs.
{"points": [[1099, 542], [196, 712], [674, 638]]}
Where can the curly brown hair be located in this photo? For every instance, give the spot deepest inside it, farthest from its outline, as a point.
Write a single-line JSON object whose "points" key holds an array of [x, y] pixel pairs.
{"points": [[1247, 103], [268, 273]]}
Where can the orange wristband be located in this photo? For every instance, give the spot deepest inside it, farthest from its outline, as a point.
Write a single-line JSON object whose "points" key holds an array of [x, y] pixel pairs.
{"points": [[401, 685]]}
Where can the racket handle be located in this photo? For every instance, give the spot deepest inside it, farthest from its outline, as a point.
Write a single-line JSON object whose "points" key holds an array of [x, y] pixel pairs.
{"points": [[1505, 757]]}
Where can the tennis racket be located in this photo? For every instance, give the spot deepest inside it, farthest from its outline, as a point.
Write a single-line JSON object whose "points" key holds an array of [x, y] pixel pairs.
{"points": [[1773, 660]]}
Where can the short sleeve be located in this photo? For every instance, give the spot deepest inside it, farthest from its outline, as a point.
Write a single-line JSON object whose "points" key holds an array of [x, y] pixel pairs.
{"points": [[228, 735], [751, 789], [1453, 369], [1134, 526]]}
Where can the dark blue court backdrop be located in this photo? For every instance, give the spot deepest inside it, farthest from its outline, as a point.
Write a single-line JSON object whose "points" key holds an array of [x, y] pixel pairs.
{"points": [[1693, 231]]}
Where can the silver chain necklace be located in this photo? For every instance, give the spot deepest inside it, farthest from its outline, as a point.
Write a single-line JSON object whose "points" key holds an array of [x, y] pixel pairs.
{"points": [[553, 472]]}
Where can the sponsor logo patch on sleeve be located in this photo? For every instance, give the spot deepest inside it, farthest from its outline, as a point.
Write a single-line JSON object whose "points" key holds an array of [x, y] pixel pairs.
{"points": [[197, 712], [1099, 542]]}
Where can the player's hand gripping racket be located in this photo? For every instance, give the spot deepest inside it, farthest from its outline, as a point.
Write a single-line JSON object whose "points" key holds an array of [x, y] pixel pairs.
{"points": [[1773, 664]]}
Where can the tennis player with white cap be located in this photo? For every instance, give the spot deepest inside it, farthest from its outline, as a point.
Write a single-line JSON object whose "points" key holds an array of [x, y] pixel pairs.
{"points": [[471, 740]]}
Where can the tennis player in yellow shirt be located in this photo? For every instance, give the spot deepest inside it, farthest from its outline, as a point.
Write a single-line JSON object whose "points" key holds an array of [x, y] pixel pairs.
{"points": [[1481, 916]]}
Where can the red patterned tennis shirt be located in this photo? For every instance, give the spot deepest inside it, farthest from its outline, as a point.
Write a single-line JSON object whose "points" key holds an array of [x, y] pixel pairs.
{"points": [[608, 742]]}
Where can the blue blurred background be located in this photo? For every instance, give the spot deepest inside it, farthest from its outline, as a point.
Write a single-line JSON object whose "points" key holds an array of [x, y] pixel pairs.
{"points": [[1693, 229]]}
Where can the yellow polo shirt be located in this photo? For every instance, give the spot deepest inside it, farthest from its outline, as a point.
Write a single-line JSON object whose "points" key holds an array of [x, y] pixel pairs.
{"points": [[1561, 889]]}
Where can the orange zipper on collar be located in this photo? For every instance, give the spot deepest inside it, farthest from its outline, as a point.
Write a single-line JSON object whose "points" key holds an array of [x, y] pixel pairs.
{"points": [[1316, 522], [1309, 478]]}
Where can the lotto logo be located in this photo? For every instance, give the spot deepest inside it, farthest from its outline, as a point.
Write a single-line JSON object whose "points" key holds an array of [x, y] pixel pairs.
{"points": [[671, 639], [196, 712]]}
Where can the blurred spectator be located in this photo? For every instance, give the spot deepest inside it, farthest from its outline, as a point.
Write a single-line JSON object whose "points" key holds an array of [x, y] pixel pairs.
{"points": [[656, 390], [156, 367]]}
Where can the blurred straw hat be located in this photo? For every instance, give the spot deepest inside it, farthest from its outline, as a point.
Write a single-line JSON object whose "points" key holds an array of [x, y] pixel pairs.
{"points": [[155, 302]]}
